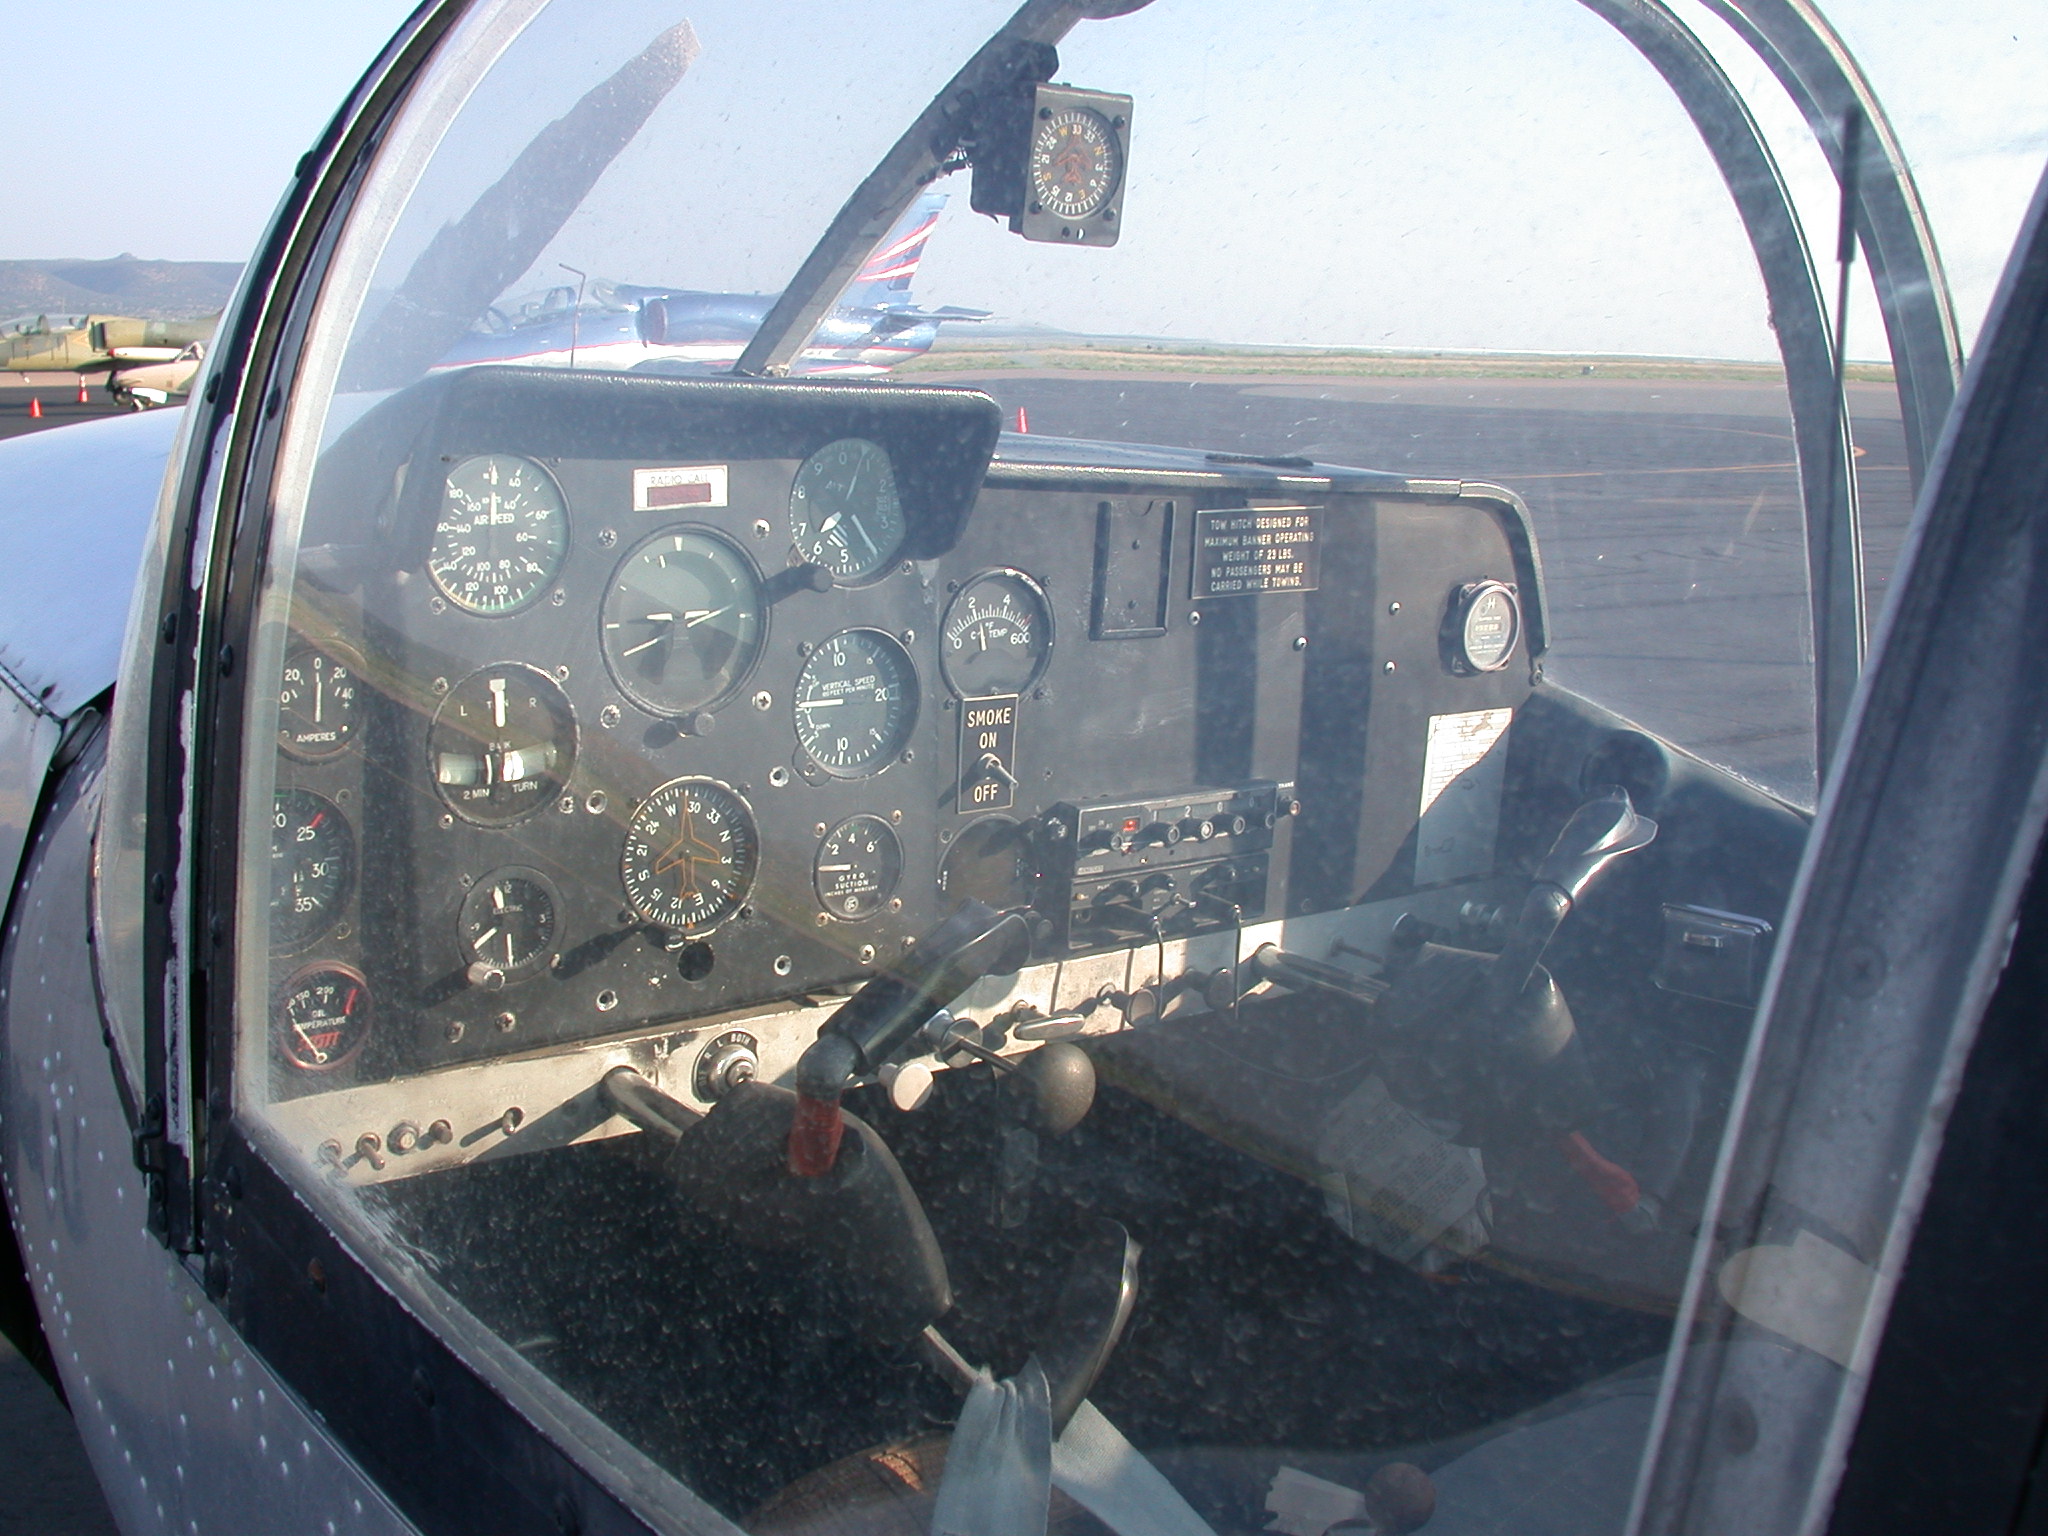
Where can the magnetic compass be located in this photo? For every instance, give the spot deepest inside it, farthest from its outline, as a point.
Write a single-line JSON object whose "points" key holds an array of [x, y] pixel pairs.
{"points": [[1076, 163]]}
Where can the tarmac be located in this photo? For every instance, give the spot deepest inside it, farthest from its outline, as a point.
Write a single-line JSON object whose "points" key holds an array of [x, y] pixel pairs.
{"points": [[1666, 512]]}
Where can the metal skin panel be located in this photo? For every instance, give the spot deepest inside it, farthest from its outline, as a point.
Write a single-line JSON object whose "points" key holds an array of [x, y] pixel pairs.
{"points": [[27, 738], [79, 503], [187, 1430]]}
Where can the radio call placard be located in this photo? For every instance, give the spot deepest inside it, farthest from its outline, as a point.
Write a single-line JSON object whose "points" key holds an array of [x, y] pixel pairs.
{"points": [[1239, 550], [988, 753]]}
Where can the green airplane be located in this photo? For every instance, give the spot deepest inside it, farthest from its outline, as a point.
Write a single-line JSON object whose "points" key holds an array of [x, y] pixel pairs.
{"points": [[146, 362]]}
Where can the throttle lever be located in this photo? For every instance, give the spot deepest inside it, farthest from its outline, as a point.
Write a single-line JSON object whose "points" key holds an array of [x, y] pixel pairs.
{"points": [[886, 1014]]}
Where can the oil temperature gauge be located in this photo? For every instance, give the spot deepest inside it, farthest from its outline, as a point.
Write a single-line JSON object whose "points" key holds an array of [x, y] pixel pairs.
{"points": [[997, 635], [323, 1016], [857, 867]]}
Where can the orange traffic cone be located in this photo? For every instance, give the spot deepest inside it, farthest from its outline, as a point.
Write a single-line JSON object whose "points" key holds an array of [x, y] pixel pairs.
{"points": [[35, 406], [81, 389], [1023, 421]]}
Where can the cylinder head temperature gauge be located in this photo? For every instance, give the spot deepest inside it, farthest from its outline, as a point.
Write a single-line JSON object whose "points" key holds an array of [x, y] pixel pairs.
{"points": [[996, 636]]}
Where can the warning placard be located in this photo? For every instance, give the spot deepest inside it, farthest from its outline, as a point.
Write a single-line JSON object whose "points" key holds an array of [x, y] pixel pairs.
{"points": [[1256, 549]]}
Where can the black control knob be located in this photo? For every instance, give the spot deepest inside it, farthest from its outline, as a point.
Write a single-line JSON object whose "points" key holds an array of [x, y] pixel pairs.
{"points": [[1161, 834], [1156, 894], [1238, 826], [1198, 829]]}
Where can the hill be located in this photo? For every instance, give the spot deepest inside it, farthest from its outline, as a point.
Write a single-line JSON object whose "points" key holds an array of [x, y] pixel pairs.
{"points": [[122, 285]]}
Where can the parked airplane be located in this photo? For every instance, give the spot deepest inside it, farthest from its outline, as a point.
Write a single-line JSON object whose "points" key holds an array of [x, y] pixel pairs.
{"points": [[605, 324], [142, 362]]}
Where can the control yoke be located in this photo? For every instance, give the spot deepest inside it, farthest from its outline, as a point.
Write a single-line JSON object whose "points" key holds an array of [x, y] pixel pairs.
{"points": [[1599, 832], [885, 1015]]}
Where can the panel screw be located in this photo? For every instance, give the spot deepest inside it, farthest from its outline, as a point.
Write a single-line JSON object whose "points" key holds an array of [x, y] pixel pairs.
{"points": [[1388, 667], [1194, 617], [764, 699], [447, 821], [908, 637], [607, 537], [435, 605], [558, 597], [608, 716], [1301, 642], [607, 1000], [778, 777], [453, 1033], [760, 527], [595, 802], [783, 965], [506, 1022], [1393, 607], [867, 954], [440, 685]]}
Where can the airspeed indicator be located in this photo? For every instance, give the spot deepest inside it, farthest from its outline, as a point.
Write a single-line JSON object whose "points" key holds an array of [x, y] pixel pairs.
{"points": [[502, 534]]}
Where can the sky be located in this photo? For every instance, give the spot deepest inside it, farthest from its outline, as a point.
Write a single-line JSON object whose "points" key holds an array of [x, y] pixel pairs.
{"points": [[1402, 173]]}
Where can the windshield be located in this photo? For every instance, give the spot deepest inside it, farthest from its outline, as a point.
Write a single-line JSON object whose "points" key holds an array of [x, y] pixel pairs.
{"points": [[1073, 800]]}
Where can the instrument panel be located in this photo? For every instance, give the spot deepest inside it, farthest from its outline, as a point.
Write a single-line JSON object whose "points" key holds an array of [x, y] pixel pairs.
{"points": [[610, 702]]}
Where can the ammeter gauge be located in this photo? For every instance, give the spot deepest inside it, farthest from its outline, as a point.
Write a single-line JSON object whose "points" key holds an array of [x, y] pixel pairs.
{"points": [[316, 703]]}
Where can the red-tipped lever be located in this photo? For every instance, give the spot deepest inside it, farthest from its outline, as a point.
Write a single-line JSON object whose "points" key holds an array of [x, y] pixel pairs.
{"points": [[1614, 1184], [885, 1015]]}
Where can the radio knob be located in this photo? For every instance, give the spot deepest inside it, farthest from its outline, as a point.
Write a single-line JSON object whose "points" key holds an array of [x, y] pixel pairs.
{"points": [[1161, 834], [1198, 829], [1157, 894]]}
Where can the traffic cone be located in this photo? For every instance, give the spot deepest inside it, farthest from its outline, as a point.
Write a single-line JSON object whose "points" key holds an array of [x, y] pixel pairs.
{"points": [[81, 389], [35, 407], [1023, 421]]}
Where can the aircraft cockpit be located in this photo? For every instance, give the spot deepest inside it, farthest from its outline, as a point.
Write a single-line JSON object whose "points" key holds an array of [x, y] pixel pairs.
{"points": [[1130, 891]]}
